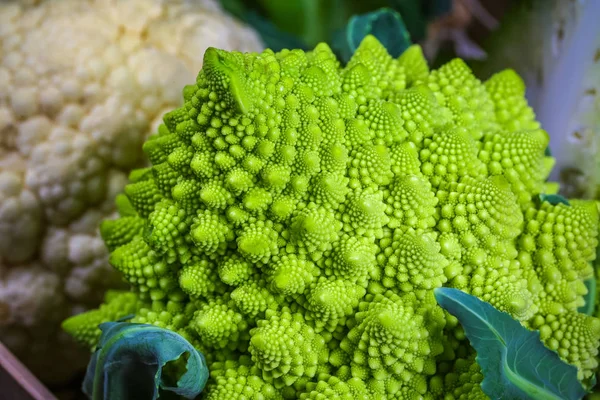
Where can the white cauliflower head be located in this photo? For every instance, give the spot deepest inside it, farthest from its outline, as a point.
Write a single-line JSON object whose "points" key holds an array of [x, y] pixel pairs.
{"points": [[82, 83]]}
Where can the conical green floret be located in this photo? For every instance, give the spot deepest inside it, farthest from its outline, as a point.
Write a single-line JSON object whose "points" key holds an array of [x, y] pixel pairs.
{"points": [[365, 214], [299, 213], [352, 259], [234, 270], [483, 212], [219, 325], [185, 193], [419, 107], [519, 157], [253, 299], [120, 231], [165, 178], [143, 268], [330, 190], [415, 65], [158, 147], [411, 203], [574, 336], [258, 242], [415, 265], [558, 243], [389, 340], [456, 88], [167, 226], [239, 380], [210, 232], [461, 380], [179, 159], [143, 195], [199, 278], [405, 159], [370, 165], [330, 301], [331, 387], [381, 72], [507, 92], [448, 156], [286, 349], [313, 230], [84, 327], [176, 316], [291, 275]]}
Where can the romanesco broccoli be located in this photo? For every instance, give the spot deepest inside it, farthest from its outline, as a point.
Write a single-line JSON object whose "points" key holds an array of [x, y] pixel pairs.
{"points": [[298, 216]]}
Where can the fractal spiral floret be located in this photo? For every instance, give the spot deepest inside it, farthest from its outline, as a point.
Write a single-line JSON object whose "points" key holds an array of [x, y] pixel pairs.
{"points": [[298, 216]]}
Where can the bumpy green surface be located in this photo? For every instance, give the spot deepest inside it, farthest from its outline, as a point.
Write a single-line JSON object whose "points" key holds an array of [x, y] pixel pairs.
{"points": [[298, 216]]}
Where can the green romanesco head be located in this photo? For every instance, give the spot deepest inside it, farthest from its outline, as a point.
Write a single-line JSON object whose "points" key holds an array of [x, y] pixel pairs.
{"points": [[298, 215]]}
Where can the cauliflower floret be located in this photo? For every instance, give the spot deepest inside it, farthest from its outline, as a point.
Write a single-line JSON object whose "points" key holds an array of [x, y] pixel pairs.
{"points": [[81, 85], [20, 216]]}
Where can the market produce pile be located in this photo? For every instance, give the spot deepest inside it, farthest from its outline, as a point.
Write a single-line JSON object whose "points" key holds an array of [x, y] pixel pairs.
{"points": [[298, 215]]}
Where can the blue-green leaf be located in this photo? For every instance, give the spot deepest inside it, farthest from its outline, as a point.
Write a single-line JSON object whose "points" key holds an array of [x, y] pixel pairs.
{"points": [[137, 361], [417, 14], [385, 24], [514, 362], [272, 36], [590, 298], [554, 199]]}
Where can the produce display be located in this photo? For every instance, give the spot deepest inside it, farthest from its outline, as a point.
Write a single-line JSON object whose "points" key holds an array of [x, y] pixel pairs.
{"points": [[82, 83], [299, 217]]}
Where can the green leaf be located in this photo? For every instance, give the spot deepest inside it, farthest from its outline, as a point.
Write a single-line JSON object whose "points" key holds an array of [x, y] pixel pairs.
{"points": [[272, 36], [417, 14], [590, 298], [385, 24], [309, 20], [138, 361], [554, 199], [514, 362]]}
